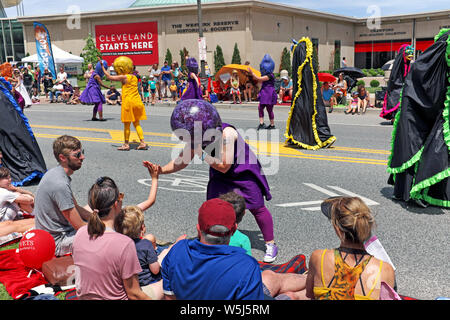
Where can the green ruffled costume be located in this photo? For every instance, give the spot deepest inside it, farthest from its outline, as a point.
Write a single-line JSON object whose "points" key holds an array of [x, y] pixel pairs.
{"points": [[419, 160]]}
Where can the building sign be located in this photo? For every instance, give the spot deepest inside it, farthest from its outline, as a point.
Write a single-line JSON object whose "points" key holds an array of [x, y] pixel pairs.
{"points": [[214, 26], [138, 41]]}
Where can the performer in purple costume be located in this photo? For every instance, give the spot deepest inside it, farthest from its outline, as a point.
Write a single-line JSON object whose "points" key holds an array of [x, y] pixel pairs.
{"points": [[267, 95], [193, 90], [233, 166], [93, 93]]}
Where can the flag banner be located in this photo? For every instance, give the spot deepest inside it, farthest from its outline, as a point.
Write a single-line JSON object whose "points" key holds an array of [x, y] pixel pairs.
{"points": [[44, 49]]}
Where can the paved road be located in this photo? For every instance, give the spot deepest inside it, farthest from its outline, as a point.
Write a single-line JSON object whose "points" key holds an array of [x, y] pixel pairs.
{"points": [[416, 239]]}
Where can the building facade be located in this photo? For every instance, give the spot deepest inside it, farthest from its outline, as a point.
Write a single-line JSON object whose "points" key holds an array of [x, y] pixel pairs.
{"points": [[145, 33]]}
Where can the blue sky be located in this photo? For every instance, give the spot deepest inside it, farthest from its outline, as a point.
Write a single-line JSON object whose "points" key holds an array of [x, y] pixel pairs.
{"points": [[342, 7]]}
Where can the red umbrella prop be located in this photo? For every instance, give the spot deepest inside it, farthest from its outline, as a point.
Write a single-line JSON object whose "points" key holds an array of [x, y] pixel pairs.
{"points": [[326, 77]]}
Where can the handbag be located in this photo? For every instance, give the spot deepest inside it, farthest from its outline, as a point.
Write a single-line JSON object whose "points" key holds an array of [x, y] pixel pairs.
{"points": [[60, 271]]}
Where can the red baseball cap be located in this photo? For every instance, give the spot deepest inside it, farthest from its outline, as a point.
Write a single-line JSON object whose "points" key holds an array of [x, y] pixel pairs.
{"points": [[217, 212]]}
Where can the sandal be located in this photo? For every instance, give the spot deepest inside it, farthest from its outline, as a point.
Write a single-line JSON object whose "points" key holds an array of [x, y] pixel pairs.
{"points": [[142, 147], [124, 148]]}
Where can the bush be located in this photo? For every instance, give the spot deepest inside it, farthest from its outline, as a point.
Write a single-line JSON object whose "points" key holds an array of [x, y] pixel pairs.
{"points": [[374, 83], [380, 71], [360, 82], [373, 72]]}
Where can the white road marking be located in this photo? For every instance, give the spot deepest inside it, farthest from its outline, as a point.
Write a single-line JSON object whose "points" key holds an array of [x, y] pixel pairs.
{"points": [[327, 192], [306, 204], [351, 194]]}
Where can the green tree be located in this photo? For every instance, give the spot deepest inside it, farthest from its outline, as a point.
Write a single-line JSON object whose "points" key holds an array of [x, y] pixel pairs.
{"points": [[236, 59], [315, 57], [168, 57], [337, 59], [286, 61], [89, 53], [183, 54], [219, 60]]}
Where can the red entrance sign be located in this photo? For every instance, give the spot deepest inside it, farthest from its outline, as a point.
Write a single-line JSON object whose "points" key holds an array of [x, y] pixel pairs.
{"points": [[138, 41]]}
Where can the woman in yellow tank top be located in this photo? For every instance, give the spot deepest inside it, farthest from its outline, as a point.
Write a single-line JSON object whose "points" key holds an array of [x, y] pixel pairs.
{"points": [[348, 272], [133, 109]]}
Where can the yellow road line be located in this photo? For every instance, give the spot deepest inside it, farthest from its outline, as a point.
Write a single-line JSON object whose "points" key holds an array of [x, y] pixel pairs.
{"points": [[180, 146]]}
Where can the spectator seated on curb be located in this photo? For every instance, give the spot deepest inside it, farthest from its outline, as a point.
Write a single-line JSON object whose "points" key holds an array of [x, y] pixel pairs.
{"points": [[113, 96], [328, 96], [286, 87], [15, 203], [347, 272], [208, 268]]}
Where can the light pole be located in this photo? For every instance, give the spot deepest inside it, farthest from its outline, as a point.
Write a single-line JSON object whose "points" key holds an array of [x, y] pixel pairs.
{"points": [[200, 35]]}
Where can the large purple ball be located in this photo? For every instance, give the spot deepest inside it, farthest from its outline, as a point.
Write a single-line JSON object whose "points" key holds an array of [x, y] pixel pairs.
{"points": [[189, 111]]}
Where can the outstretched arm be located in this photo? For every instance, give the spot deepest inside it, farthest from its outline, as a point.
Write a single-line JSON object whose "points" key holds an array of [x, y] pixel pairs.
{"points": [[153, 170], [181, 162]]}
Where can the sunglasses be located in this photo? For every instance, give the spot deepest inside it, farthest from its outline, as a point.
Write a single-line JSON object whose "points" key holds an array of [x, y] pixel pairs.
{"points": [[78, 154]]}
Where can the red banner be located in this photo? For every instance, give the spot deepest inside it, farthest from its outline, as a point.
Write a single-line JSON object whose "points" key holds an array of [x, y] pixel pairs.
{"points": [[138, 41]]}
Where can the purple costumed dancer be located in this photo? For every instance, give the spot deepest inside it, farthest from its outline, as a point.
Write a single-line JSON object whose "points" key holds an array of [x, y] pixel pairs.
{"points": [[193, 90], [233, 166], [93, 93], [267, 95]]}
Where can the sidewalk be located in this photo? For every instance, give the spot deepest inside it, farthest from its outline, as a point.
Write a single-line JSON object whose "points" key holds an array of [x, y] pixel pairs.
{"points": [[254, 106]]}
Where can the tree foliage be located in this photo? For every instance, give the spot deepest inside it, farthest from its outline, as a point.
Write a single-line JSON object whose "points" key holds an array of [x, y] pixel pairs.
{"points": [[286, 61], [89, 53], [168, 57], [219, 60], [236, 59]]}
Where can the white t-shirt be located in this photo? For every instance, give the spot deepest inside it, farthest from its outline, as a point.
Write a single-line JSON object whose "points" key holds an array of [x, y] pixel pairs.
{"points": [[61, 76], [7, 199]]}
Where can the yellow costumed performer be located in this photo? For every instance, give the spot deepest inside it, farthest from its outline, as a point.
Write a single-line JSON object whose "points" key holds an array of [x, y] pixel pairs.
{"points": [[133, 109]]}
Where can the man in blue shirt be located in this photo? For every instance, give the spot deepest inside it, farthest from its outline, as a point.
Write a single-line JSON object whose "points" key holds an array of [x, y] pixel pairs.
{"points": [[208, 268], [328, 96], [166, 77]]}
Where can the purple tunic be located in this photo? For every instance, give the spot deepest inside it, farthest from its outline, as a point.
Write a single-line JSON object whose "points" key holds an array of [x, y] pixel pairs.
{"points": [[193, 91], [246, 179], [267, 94], [92, 93]]}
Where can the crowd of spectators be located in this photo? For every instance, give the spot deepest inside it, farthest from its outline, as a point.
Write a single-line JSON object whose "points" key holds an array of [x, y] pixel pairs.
{"points": [[118, 260]]}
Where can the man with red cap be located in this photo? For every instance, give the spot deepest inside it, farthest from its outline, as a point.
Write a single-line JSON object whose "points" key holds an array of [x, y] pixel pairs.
{"points": [[208, 268]]}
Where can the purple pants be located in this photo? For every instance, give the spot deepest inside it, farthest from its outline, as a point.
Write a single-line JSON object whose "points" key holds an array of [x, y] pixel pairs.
{"points": [[269, 108], [98, 106], [264, 220]]}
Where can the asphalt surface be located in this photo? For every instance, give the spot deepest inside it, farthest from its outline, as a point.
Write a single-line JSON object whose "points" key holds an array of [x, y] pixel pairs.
{"points": [[416, 239]]}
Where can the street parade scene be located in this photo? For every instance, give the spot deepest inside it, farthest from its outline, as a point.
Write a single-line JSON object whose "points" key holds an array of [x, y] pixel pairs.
{"points": [[224, 150]]}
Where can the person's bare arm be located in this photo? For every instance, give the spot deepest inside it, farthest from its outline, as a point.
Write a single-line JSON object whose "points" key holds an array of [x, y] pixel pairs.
{"points": [[181, 162], [311, 274], [74, 218], [24, 199], [259, 79], [153, 170], [169, 297], [133, 290], [155, 267]]}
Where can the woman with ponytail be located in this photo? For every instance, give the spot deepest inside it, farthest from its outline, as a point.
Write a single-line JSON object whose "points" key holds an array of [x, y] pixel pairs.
{"points": [[106, 261], [347, 272]]}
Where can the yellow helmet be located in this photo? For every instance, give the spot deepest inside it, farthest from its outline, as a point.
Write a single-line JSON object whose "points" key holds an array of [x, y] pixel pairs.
{"points": [[123, 65]]}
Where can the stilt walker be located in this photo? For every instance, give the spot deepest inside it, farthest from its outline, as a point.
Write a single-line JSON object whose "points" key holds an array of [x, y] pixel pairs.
{"points": [[307, 124], [419, 160]]}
